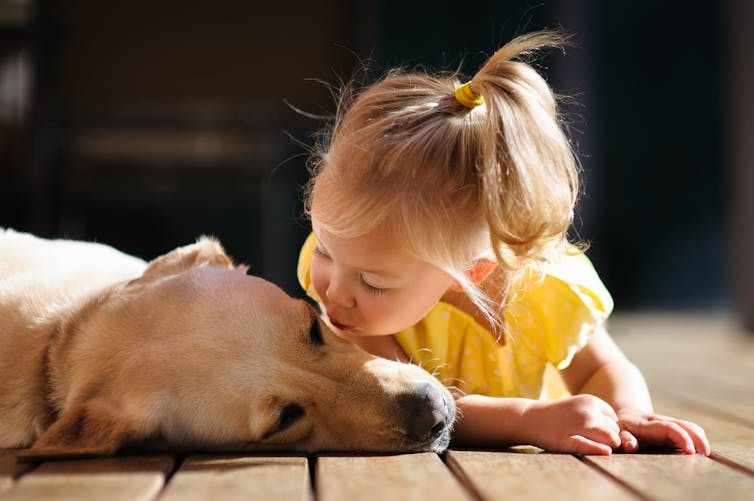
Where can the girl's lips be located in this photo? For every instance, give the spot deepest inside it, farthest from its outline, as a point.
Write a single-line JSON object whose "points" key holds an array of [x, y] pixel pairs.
{"points": [[339, 326]]}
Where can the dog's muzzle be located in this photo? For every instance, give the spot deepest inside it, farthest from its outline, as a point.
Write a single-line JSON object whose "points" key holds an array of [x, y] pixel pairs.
{"points": [[429, 416]]}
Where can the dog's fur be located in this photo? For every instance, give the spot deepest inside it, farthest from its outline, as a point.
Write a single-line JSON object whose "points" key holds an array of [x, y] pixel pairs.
{"points": [[99, 350]]}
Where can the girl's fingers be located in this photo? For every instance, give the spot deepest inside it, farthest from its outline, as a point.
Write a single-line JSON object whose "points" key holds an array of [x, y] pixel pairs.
{"points": [[656, 429], [613, 425], [610, 437], [628, 442], [582, 445], [608, 411], [697, 435], [678, 436], [688, 437], [606, 432], [660, 432]]}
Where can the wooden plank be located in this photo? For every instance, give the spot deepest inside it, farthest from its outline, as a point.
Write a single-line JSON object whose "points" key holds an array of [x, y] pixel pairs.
{"points": [[496, 475], [709, 339], [7, 469], [114, 479], [10, 469], [232, 477], [677, 476], [725, 365], [706, 379], [679, 384], [408, 476]]}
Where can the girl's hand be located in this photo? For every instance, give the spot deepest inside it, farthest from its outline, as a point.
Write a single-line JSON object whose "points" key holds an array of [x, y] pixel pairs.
{"points": [[582, 424], [639, 428]]}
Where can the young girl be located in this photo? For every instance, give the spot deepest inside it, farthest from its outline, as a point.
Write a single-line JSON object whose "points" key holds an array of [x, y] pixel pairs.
{"points": [[439, 214]]}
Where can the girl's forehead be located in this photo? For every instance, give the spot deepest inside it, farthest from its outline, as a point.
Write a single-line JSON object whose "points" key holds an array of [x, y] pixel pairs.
{"points": [[371, 243], [376, 251]]}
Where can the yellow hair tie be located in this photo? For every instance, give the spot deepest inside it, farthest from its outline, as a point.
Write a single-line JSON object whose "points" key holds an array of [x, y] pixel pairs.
{"points": [[468, 97]]}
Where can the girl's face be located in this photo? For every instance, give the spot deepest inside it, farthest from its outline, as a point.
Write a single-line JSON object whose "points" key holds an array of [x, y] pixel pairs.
{"points": [[369, 287]]}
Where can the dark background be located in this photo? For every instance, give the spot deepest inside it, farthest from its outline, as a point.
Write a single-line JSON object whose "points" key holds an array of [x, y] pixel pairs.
{"points": [[143, 124]]}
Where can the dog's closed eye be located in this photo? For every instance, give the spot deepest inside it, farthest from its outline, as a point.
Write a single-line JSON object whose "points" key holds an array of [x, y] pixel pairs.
{"points": [[315, 334], [288, 416]]}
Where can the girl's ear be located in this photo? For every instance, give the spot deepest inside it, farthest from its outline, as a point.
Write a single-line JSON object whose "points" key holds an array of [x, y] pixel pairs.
{"points": [[477, 273]]}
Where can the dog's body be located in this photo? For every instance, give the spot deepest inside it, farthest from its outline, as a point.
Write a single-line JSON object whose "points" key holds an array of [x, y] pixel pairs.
{"points": [[99, 349]]}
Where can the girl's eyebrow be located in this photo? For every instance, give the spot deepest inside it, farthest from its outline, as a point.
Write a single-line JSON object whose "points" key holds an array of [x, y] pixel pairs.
{"points": [[382, 273]]}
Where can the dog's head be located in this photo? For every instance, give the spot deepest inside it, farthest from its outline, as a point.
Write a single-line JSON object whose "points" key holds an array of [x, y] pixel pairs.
{"points": [[200, 355]]}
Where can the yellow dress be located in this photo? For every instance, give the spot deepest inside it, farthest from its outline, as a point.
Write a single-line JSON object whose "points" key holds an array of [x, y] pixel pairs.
{"points": [[549, 320]]}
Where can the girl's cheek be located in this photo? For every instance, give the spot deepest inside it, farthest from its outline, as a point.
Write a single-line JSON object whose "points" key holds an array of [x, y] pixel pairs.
{"points": [[317, 289], [319, 283]]}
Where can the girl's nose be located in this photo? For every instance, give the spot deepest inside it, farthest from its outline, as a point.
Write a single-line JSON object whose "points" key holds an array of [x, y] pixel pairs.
{"points": [[339, 295]]}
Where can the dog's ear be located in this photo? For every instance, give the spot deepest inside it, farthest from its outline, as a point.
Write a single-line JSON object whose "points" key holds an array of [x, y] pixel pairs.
{"points": [[206, 251], [88, 430]]}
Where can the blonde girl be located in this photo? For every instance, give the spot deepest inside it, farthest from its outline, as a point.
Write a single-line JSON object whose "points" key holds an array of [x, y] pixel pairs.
{"points": [[439, 213]]}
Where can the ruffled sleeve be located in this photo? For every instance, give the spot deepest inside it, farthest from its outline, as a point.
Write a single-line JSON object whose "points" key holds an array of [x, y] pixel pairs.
{"points": [[571, 302], [304, 266]]}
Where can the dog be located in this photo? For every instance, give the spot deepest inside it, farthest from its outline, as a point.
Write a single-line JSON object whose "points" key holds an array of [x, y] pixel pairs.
{"points": [[100, 350]]}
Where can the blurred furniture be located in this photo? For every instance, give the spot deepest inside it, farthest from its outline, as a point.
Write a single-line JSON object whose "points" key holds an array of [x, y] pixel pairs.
{"points": [[16, 75], [740, 134], [151, 123]]}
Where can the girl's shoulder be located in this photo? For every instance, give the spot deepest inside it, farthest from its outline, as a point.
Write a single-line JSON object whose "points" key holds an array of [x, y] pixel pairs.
{"points": [[560, 305], [570, 269], [564, 279]]}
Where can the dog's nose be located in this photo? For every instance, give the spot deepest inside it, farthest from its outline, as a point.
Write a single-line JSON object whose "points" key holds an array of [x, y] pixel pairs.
{"points": [[428, 413]]}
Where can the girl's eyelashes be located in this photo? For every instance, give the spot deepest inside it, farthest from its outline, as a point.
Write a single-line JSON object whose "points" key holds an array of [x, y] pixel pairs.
{"points": [[371, 288]]}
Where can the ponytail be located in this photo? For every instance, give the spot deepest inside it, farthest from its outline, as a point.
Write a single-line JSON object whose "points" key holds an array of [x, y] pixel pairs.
{"points": [[528, 174]]}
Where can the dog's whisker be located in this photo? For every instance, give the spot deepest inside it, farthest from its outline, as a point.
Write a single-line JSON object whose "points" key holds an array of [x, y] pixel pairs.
{"points": [[451, 382], [450, 386], [417, 352], [437, 368]]}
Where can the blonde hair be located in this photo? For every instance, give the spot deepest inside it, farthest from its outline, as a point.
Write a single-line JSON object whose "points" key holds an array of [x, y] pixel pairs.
{"points": [[451, 182]]}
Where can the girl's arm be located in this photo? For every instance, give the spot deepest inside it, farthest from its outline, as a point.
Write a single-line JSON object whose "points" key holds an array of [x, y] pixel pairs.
{"points": [[580, 424], [601, 378], [602, 370]]}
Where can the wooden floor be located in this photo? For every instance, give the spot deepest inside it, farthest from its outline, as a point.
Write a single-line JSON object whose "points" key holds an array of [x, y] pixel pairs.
{"points": [[699, 367]]}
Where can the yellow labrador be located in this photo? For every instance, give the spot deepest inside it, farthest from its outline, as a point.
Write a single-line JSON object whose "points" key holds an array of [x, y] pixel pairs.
{"points": [[99, 350]]}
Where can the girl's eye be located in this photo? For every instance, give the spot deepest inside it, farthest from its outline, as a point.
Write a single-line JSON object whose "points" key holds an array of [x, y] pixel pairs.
{"points": [[371, 288]]}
